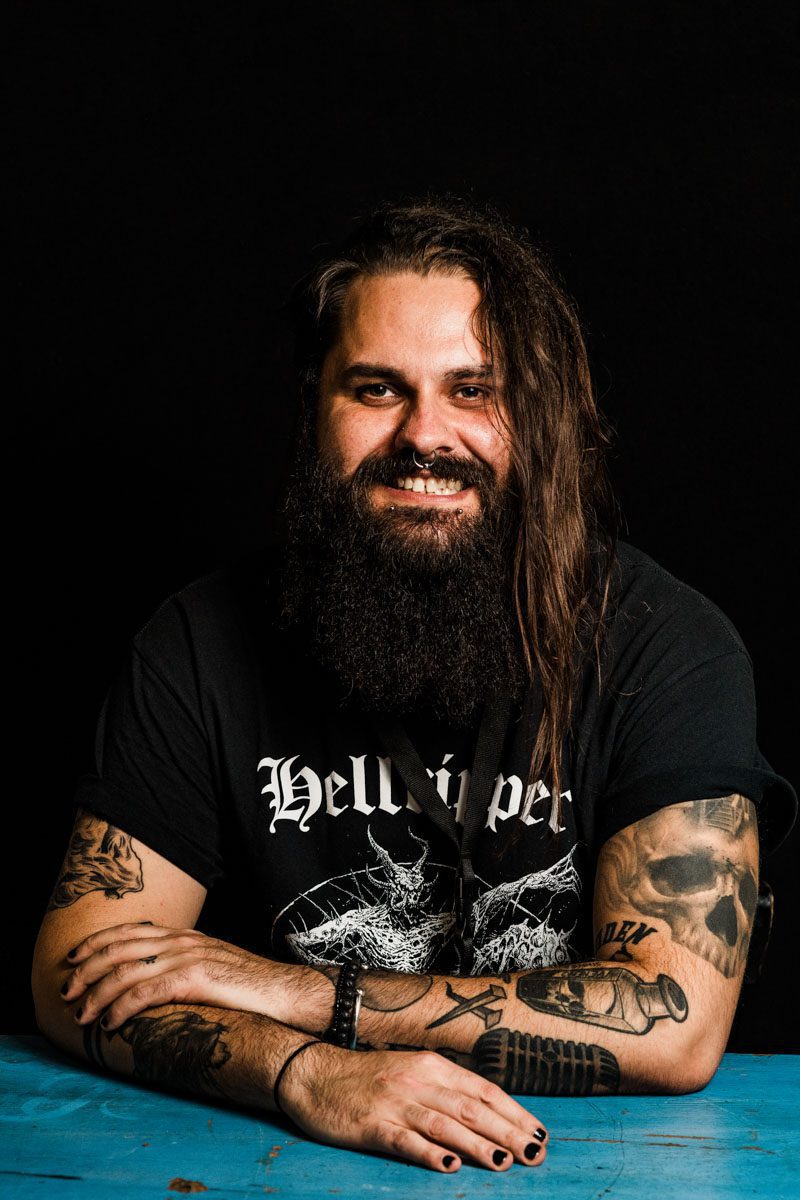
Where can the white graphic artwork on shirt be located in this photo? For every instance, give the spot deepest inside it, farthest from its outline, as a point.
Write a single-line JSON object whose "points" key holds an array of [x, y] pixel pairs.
{"points": [[397, 916], [385, 915], [517, 924]]}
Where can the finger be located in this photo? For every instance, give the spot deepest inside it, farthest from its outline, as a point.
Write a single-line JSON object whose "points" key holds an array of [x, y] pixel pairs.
{"points": [[465, 1139], [114, 933], [142, 983], [407, 1143], [471, 1084], [105, 957], [170, 987], [490, 1124]]}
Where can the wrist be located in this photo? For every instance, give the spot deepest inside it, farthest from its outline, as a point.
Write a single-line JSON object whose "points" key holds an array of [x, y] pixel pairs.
{"points": [[307, 999], [303, 1075]]}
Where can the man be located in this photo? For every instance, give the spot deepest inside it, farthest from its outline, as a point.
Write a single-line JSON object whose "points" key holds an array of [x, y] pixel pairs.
{"points": [[415, 745]]}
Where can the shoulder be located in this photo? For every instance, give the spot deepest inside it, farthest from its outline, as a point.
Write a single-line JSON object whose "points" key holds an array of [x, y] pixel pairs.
{"points": [[651, 606], [231, 602]]}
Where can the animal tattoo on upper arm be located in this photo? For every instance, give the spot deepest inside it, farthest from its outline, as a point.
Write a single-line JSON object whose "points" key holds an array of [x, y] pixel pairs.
{"points": [[100, 858], [694, 866]]}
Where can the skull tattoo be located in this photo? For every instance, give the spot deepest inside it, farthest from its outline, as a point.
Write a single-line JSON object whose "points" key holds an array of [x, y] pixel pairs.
{"points": [[692, 866]]}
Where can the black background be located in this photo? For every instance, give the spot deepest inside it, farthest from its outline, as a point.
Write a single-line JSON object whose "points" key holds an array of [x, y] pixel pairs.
{"points": [[173, 169]]}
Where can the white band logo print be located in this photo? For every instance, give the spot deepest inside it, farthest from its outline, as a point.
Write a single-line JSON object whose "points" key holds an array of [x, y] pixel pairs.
{"points": [[297, 793]]}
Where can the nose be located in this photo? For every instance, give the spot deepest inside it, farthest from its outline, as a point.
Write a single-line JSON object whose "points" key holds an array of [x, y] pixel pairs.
{"points": [[424, 428]]}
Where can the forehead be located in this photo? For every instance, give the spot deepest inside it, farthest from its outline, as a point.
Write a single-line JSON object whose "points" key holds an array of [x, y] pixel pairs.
{"points": [[408, 319]]}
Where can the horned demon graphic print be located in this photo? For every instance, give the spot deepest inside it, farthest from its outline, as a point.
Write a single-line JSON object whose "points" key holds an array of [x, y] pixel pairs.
{"points": [[399, 916]]}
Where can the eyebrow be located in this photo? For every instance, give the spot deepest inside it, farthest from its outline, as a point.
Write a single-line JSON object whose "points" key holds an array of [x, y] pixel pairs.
{"points": [[367, 370]]}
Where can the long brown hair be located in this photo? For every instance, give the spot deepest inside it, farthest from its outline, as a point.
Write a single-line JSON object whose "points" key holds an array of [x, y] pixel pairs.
{"points": [[565, 547]]}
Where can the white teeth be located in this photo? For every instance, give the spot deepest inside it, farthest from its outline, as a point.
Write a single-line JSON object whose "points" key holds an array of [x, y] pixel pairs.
{"points": [[433, 487]]}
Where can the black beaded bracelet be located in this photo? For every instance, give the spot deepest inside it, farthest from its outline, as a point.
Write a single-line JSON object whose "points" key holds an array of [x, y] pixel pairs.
{"points": [[279, 1076], [346, 1007]]}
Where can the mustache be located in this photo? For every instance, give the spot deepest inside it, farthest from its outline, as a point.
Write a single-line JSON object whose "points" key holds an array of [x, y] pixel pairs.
{"points": [[388, 468]]}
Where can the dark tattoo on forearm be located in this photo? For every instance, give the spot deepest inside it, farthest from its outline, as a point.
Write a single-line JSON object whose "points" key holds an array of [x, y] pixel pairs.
{"points": [[609, 996], [476, 1006], [519, 1062], [384, 991], [389, 991], [626, 933], [695, 867], [181, 1048], [100, 858]]}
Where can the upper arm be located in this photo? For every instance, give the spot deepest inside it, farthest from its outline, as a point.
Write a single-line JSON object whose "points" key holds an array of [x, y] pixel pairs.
{"points": [[107, 878], [680, 887]]}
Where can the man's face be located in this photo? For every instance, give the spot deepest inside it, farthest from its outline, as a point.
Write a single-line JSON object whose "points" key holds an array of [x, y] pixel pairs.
{"points": [[408, 375]]}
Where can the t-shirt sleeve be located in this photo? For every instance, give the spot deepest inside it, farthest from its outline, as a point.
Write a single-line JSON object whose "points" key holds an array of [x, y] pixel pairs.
{"points": [[153, 774], [688, 733]]}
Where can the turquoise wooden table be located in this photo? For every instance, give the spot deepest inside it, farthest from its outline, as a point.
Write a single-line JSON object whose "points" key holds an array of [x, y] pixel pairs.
{"points": [[68, 1131]]}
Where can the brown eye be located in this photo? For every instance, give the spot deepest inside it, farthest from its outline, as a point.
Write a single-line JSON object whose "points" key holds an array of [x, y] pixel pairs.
{"points": [[682, 873]]}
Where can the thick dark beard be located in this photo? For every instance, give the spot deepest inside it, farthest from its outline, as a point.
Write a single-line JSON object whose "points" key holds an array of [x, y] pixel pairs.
{"points": [[412, 608]]}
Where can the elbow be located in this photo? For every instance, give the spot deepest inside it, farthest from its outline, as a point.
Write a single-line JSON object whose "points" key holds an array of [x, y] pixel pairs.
{"points": [[48, 1007], [690, 1065]]}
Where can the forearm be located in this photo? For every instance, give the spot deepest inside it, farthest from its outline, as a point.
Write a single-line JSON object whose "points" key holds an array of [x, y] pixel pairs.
{"points": [[587, 1028], [193, 1049]]}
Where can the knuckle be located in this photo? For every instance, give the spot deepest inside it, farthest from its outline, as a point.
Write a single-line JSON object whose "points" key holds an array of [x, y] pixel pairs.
{"points": [[468, 1112], [119, 971], [394, 1137], [490, 1093], [436, 1124], [430, 1059]]}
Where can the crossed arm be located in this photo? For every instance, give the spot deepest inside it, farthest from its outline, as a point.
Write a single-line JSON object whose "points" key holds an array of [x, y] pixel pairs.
{"points": [[675, 895]]}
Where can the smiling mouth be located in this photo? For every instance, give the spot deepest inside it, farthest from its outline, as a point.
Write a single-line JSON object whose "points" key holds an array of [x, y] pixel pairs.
{"points": [[430, 486]]}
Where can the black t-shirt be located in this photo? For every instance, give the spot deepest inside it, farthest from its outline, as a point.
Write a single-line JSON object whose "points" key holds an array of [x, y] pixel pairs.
{"points": [[225, 748]]}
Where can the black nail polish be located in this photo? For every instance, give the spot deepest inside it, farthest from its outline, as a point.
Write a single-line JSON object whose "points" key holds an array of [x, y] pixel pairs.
{"points": [[448, 1160], [104, 1023], [498, 1157], [65, 988], [532, 1149], [78, 1013], [71, 953], [540, 1134]]}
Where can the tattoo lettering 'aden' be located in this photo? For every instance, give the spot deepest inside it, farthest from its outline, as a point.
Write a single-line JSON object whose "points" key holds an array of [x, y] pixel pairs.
{"points": [[693, 866], [100, 858], [625, 933], [609, 996]]}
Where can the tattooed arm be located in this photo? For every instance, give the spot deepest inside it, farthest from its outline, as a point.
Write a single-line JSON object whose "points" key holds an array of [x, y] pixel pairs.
{"points": [[108, 878], [674, 901], [417, 1106]]}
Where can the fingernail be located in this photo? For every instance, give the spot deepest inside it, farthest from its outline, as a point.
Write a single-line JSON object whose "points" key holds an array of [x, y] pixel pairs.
{"points": [[104, 1023], [78, 1014], [498, 1157], [540, 1134], [448, 1160], [65, 987], [71, 953], [532, 1149]]}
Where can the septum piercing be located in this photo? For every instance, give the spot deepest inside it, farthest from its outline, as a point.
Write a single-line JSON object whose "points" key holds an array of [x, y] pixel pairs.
{"points": [[423, 466]]}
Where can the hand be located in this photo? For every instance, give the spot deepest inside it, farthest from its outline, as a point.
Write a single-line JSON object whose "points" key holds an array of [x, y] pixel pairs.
{"points": [[127, 968], [414, 1104]]}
